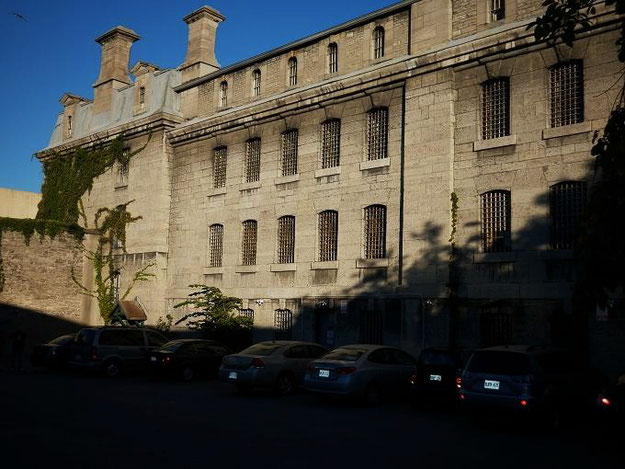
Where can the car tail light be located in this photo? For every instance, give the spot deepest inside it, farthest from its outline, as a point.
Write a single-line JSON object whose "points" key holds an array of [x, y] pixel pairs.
{"points": [[94, 353], [605, 401], [413, 379], [257, 363], [458, 382], [345, 370], [461, 396], [523, 403], [166, 360]]}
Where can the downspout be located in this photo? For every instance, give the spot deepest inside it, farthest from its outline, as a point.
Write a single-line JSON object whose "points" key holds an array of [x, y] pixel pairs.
{"points": [[402, 170]]}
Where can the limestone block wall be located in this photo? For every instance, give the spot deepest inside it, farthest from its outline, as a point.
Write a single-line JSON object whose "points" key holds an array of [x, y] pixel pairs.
{"points": [[18, 204], [37, 275]]}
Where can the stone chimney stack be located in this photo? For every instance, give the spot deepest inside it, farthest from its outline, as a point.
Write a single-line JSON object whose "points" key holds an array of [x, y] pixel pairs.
{"points": [[201, 45], [116, 45]]}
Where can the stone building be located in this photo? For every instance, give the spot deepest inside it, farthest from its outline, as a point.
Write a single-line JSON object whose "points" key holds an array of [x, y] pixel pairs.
{"points": [[314, 180]]}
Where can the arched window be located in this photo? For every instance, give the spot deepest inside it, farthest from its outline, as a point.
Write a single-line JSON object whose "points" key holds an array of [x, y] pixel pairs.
{"points": [[223, 93], [292, 71], [567, 201], [256, 83], [333, 58], [375, 232], [248, 242], [378, 42], [286, 239], [328, 235], [216, 245], [495, 211], [247, 313]]}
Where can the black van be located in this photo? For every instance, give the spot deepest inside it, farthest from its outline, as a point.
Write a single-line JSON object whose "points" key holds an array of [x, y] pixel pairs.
{"points": [[438, 374]]}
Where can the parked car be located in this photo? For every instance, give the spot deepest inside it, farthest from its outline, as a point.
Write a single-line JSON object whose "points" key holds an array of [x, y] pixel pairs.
{"points": [[526, 379], [52, 354], [188, 358], [114, 349], [279, 365], [370, 372], [438, 374]]}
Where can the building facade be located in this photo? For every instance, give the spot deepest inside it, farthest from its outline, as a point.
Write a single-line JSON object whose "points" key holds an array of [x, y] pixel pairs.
{"points": [[314, 181]]}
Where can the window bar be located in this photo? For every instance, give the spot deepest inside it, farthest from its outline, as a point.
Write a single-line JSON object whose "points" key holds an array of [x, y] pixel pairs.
{"points": [[496, 221], [219, 167], [224, 93], [248, 250], [330, 143], [328, 235], [377, 134], [292, 71], [497, 10], [286, 239], [567, 93], [378, 38], [333, 54], [495, 108], [252, 160], [283, 323], [216, 245], [289, 152], [375, 232], [567, 203]]}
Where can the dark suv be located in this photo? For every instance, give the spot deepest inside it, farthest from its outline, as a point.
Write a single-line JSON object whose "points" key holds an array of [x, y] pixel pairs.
{"points": [[527, 379], [113, 349], [438, 374]]}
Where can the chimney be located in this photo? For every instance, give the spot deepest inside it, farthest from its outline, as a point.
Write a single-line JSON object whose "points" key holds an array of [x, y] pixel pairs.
{"points": [[114, 66], [201, 45]]}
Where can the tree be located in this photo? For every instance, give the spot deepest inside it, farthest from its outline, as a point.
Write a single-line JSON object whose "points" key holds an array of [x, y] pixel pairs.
{"points": [[111, 225], [600, 249]]}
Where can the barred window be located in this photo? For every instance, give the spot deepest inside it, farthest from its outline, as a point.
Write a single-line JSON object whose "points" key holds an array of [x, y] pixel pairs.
{"points": [[292, 71], [283, 324], [220, 162], [247, 313], [328, 235], [69, 125], [375, 232], [495, 108], [567, 201], [248, 243], [495, 210], [333, 58], [256, 83], [216, 245], [121, 176], [286, 239], [330, 143], [497, 10], [377, 133], [378, 42], [223, 91], [252, 160], [566, 93], [289, 152], [142, 97]]}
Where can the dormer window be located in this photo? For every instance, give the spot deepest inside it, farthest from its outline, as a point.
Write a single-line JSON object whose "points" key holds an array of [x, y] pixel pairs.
{"points": [[497, 10], [292, 71], [256, 83], [223, 90], [378, 42], [142, 97]]}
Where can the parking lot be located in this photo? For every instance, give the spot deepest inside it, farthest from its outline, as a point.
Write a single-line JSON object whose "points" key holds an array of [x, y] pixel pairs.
{"points": [[59, 419]]}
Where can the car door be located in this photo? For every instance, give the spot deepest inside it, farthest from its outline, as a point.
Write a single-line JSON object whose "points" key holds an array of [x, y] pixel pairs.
{"points": [[404, 367]]}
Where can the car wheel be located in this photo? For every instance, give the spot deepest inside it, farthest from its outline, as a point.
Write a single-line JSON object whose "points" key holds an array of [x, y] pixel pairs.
{"points": [[285, 384], [112, 368], [187, 373], [373, 394]]}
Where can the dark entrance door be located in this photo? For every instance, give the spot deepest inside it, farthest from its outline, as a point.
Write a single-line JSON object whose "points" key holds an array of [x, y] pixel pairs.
{"points": [[325, 327]]}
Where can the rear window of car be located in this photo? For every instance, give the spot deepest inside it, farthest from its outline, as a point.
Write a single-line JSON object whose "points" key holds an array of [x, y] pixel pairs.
{"points": [[438, 358], [502, 363], [85, 336], [172, 346], [345, 354], [261, 349]]}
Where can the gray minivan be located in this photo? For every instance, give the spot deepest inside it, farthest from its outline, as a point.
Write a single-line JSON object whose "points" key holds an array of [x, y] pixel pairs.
{"points": [[113, 349]]}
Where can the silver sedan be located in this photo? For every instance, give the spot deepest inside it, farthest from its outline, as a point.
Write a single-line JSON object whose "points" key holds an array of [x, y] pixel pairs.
{"points": [[362, 371], [279, 365]]}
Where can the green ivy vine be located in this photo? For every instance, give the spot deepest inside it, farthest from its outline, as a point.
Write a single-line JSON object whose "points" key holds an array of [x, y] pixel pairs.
{"points": [[453, 283]]}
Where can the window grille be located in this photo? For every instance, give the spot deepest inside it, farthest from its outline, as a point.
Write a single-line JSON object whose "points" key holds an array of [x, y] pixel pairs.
{"points": [[330, 143], [375, 232], [142, 96], [567, 201], [378, 42], [283, 324], [377, 134], [247, 313], [286, 239], [220, 163], [496, 221], [248, 248], [224, 93], [292, 71], [371, 327], [333, 58], [216, 245], [566, 92], [496, 328], [289, 152], [328, 235], [497, 10], [256, 83], [495, 108], [252, 160]]}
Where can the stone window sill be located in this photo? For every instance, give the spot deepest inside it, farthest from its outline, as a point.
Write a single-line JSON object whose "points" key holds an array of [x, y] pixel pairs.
{"points": [[373, 164], [494, 143], [372, 263], [283, 267], [320, 173], [250, 185], [327, 265], [286, 179], [246, 269], [216, 191], [213, 270], [565, 130]]}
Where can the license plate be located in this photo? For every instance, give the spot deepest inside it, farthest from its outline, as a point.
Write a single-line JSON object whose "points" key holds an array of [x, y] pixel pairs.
{"points": [[488, 384], [232, 375], [324, 373], [153, 359], [436, 378]]}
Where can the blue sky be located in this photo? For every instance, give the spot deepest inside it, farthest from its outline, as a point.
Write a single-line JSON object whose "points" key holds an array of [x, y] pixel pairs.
{"points": [[53, 51]]}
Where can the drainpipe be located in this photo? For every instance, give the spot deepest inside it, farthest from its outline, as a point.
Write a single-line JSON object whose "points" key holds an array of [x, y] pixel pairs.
{"points": [[400, 275]]}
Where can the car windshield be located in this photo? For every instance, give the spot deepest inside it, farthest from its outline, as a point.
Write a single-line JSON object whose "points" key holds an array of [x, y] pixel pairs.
{"points": [[172, 346], [263, 349], [345, 354], [64, 339], [496, 362]]}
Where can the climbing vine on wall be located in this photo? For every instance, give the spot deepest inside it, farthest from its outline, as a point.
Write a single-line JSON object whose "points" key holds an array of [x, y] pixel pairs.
{"points": [[454, 273]]}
